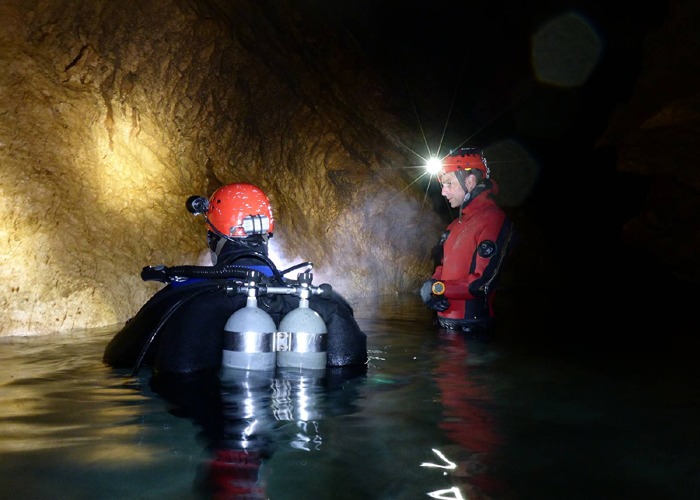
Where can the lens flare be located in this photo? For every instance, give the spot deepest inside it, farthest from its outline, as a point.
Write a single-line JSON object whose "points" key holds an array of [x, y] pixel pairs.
{"points": [[433, 165]]}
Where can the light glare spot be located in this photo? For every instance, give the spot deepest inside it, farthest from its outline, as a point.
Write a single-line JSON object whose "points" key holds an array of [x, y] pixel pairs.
{"points": [[433, 166]]}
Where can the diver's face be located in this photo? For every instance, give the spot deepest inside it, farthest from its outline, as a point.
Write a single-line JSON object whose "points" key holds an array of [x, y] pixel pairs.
{"points": [[452, 189]]}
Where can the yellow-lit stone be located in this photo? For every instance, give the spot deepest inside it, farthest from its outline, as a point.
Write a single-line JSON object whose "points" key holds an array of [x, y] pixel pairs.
{"points": [[111, 116]]}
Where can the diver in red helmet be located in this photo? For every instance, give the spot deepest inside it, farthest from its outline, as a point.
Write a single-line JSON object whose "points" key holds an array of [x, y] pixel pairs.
{"points": [[239, 223], [472, 248], [180, 329]]}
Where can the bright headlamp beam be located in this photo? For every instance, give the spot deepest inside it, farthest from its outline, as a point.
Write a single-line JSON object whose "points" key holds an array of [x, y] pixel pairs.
{"points": [[433, 166]]}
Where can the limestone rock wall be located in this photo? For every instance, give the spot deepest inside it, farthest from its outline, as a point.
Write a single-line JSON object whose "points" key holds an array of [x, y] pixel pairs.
{"points": [[113, 113]]}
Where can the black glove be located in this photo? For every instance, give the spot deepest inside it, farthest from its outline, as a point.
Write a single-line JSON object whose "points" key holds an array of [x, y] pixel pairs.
{"points": [[434, 302]]}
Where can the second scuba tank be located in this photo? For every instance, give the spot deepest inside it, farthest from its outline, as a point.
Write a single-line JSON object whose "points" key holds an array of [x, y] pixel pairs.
{"points": [[302, 337]]}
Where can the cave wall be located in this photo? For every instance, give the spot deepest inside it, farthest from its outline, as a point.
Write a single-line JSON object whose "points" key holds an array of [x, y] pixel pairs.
{"points": [[113, 113], [656, 139]]}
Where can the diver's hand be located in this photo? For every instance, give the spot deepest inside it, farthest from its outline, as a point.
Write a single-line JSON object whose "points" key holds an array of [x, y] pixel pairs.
{"points": [[434, 302]]}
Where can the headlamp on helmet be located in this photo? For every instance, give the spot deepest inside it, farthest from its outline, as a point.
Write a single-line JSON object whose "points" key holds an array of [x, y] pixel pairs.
{"points": [[197, 205], [433, 165]]}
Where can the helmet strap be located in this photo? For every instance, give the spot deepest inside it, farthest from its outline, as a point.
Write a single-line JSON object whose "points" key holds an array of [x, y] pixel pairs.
{"points": [[461, 176]]}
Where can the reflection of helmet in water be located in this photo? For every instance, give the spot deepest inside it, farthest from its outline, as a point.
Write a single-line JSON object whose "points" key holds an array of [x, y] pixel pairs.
{"points": [[466, 159], [239, 210]]}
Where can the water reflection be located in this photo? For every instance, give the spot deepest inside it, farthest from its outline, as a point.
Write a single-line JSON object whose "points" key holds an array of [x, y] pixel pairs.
{"points": [[467, 412], [434, 416], [246, 415]]}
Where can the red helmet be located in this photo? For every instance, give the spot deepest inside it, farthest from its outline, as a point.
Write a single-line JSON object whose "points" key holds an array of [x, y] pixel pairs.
{"points": [[239, 210], [465, 159]]}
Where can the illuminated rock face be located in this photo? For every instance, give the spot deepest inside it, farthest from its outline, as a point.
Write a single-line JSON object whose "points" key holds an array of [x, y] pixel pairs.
{"points": [[113, 115]]}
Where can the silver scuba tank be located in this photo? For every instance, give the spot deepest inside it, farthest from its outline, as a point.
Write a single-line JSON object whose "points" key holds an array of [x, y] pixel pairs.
{"points": [[302, 338]]}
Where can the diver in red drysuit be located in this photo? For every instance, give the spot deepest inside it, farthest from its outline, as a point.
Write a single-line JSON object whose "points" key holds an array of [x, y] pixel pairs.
{"points": [[474, 246]]}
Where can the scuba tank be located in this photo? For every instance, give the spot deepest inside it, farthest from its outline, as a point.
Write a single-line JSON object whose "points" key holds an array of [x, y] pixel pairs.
{"points": [[249, 334], [302, 339]]}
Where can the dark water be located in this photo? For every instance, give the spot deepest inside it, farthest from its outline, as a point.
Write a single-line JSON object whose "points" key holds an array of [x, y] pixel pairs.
{"points": [[437, 415]]}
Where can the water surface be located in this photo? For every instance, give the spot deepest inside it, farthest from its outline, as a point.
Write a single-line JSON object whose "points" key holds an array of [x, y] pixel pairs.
{"points": [[436, 415]]}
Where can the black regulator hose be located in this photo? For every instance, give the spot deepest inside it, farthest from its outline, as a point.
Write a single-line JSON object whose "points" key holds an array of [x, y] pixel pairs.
{"points": [[193, 272], [222, 270], [256, 255], [259, 255], [296, 266], [167, 274]]}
